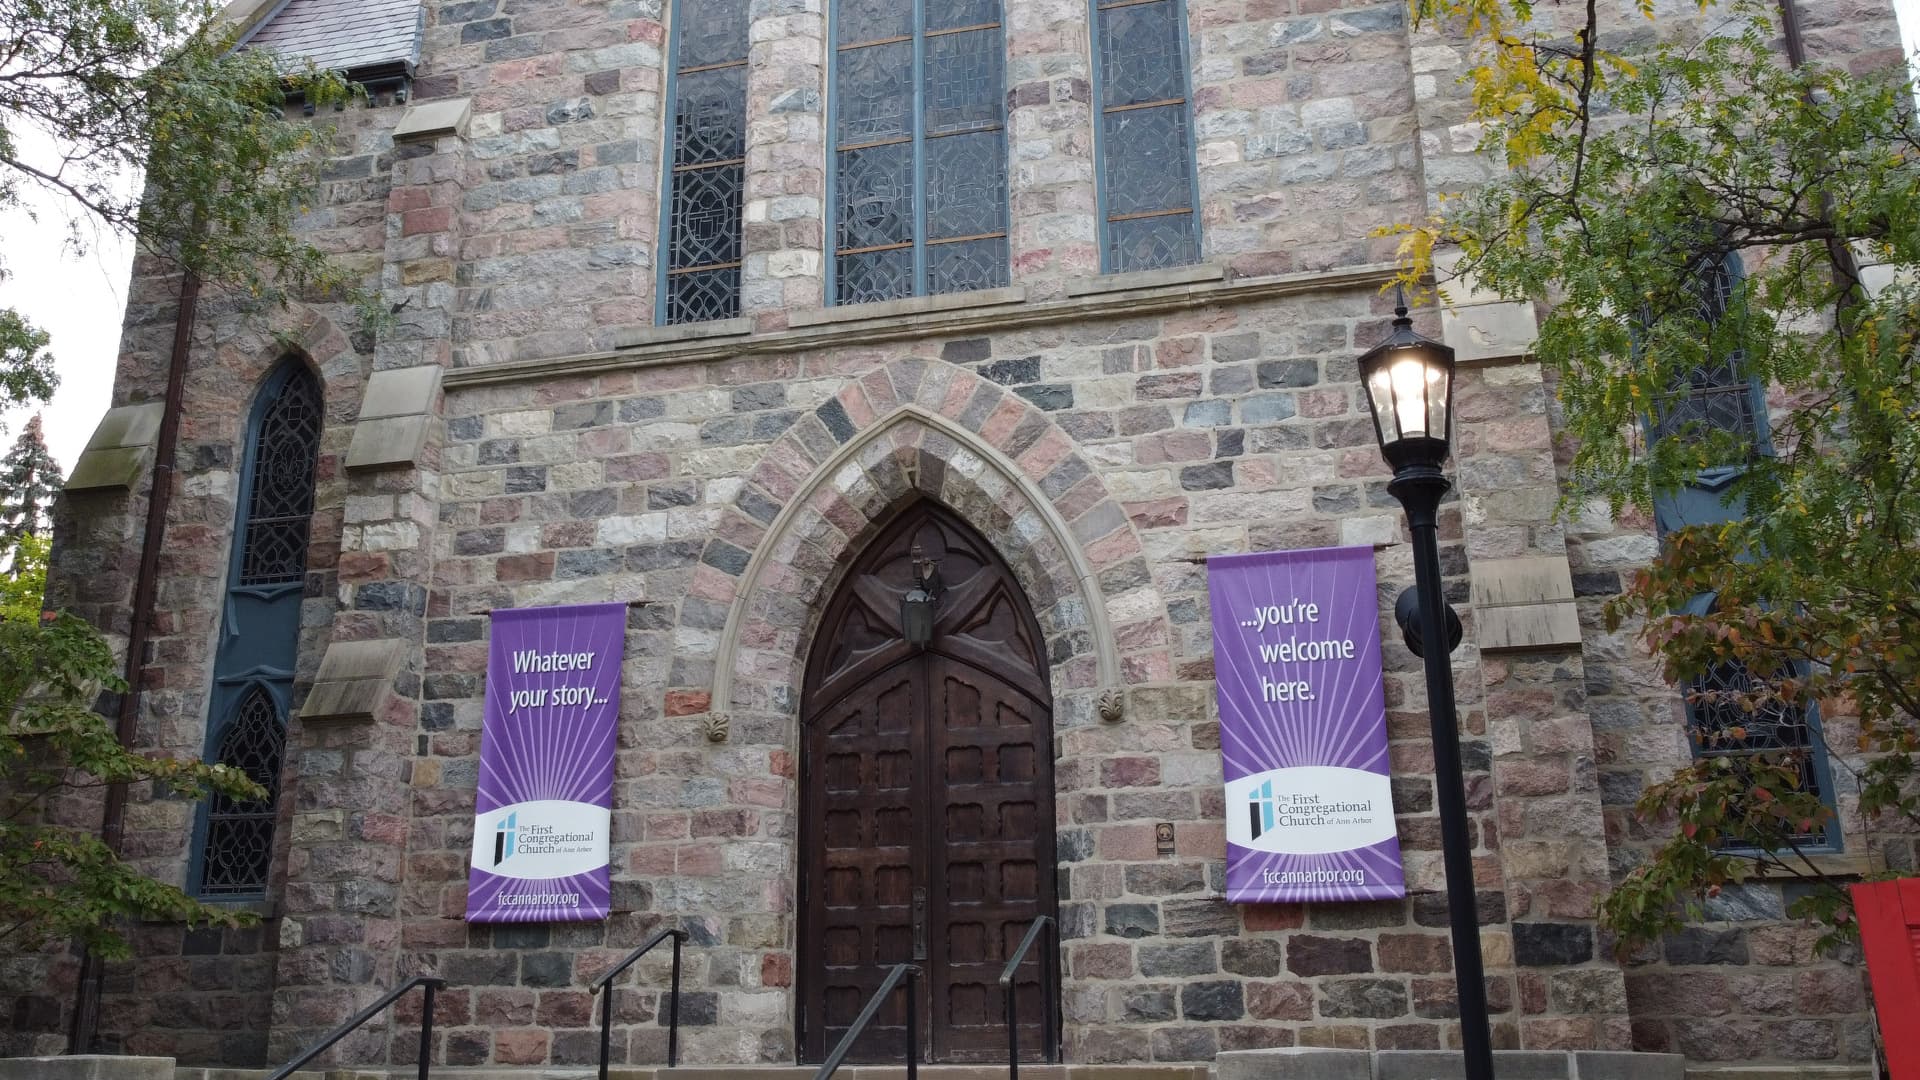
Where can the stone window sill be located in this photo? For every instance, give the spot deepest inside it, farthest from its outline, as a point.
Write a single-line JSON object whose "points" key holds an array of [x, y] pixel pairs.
{"points": [[1145, 279], [912, 305], [1835, 864], [266, 909], [658, 335]]}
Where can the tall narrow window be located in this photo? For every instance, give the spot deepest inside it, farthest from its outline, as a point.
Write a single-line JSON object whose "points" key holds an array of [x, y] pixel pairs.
{"points": [[701, 273], [1144, 137], [254, 659], [919, 194], [1716, 395]]}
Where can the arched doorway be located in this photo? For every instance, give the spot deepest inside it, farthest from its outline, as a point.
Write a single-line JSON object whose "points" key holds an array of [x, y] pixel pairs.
{"points": [[927, 813]]}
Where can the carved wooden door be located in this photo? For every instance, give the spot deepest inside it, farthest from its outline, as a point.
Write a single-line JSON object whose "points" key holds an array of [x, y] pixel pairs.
{"points": [[927, 807]]}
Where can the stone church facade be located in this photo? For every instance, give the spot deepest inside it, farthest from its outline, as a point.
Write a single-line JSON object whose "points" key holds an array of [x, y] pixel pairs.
{"points": [[568, 405]]}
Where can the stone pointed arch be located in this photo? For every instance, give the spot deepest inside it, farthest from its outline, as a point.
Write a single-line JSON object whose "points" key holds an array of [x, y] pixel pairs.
{"points": [[916, 428]]}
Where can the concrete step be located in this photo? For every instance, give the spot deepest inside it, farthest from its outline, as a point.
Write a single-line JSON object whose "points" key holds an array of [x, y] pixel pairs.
{"points": [[724, 1072]]}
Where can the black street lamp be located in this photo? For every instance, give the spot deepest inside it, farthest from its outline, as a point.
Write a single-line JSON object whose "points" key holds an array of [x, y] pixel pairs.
{"points": [[1409, 383]]}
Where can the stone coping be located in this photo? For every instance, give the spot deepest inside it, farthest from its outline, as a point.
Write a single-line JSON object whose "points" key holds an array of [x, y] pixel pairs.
{"points": [[1313, 1063], [867, 324]]}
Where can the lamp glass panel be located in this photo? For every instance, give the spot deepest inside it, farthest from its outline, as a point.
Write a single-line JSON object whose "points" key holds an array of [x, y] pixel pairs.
{"points": [[1380, 388], [1410, 378]]}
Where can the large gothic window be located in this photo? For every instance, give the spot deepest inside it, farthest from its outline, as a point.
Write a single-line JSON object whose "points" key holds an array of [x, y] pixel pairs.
{"points": [[1717, 394], [1144, 140], [701, 271], [260, 626], [920, 155]]}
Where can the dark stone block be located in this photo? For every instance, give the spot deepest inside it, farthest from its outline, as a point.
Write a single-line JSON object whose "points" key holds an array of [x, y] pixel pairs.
{"points": [[1596, 583], [1186, 958], [1412, 795], [526, 479], [698, 1009], [546, 969], [1199, 918], [834, 416], [466, 428], [521, 935], [1279, 373], [1255, 957], [1209, 477], [1695, 945], [1430, 909], [1012, 371], [591, 562], [1221, 1000], [966, 350], [1132, 920], [1376, 999], [1309, 956], [726, 558], [1147, 1004], [1074, 845], [1229, 443], [1048, 396], [486, 30], [1542, 944], [202, 942], [669, 495], [1367, 916]]}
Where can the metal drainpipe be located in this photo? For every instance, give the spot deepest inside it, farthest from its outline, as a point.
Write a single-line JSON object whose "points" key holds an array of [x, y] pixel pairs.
{"points": [[86, 1007]]}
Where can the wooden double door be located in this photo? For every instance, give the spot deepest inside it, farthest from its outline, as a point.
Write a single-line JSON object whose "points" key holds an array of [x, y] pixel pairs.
{"points": [[927, 802]]}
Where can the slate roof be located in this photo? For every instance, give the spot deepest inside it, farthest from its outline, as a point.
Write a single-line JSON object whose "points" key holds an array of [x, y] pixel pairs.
{"points": [[343, 35]]}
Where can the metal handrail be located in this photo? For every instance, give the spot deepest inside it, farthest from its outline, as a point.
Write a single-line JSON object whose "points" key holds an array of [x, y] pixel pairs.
{"points": [[434, 985], [1052, 1030], [887, 986], [673, 997]]}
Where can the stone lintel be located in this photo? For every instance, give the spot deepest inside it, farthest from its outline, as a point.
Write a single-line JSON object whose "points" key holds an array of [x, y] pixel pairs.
{"points": [[1525, 603], [87, 1067], [121, 449], [1482, 333], [395, 415], [432, 119], [355, 679]]}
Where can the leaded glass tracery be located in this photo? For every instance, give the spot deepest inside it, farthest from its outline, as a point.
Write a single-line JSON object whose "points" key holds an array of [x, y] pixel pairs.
{"points": [[707, 183], [920, 201], [1144, 141], [286, 443], [237, 854], [1716, 395], [1729, 714]]}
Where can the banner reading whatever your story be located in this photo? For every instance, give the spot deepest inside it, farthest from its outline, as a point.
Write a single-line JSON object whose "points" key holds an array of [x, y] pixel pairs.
{"points": [[542, 819], [1303, 727]]}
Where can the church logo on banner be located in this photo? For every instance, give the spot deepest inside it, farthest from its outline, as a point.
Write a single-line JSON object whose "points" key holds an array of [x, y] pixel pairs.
{"points": [[1303, 727], [542, 823]]}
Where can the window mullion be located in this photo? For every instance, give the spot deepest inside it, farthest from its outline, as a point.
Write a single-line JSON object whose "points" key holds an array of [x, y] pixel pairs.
{"points": [[919, 148]]}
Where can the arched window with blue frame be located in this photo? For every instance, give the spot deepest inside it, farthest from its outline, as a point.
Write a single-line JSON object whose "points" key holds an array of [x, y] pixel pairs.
{"points": [[259, 631]]}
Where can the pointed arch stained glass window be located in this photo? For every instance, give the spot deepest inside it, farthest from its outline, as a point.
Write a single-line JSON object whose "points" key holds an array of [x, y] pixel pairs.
{"points": [[254, 661], [706, 184], [919, 198]]}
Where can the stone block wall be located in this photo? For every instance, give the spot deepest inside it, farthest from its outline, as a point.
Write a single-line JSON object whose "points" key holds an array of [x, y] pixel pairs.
{"points": [[1106, 436]]}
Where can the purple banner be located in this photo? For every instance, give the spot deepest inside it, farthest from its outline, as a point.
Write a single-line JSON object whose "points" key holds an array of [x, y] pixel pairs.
{"points": [[1303, 727], [543, 818]]}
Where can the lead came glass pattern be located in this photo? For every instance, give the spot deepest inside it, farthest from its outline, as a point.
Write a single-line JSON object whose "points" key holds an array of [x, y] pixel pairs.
{"points": [[920, 201], [1717, 395], [280, 505], [238, 853], [1144, 137], [1721, 725], [707, 182]]}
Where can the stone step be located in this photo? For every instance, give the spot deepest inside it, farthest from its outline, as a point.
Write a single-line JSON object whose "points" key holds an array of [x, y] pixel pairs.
{"points": [[722, 1072]]}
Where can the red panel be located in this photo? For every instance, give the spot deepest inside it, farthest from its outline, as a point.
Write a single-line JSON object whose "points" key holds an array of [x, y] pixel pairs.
{"points": [[1889, 913]]}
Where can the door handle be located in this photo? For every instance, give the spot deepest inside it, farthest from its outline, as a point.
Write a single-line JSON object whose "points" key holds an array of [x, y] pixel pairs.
{"points": [[920, 923]]}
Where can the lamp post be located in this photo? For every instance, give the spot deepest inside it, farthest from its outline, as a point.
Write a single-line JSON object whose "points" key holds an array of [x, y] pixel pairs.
{"points": [[1409, 384]]}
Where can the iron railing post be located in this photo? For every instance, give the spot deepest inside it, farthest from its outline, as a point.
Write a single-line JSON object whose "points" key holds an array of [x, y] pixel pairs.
{"points": [[426, 1030], [1048, 974], [913, 1023], [1013, 1031], [673, 1010], [606, 1028]]}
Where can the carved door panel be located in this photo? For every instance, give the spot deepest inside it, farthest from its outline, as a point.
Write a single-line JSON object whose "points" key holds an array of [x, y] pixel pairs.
{"points": [[927, 807]]}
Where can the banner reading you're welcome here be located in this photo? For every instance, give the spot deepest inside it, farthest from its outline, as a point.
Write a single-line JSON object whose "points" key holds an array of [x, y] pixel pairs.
{"points": [[1303, 727], [542, 819]]}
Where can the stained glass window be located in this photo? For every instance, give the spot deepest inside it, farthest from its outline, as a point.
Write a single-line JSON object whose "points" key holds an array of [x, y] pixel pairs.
{"points": [[1717, 395], [920, 199], [703, 211], [1144, 137], [238, 852], [280, 501], [1730, 715], [254, 659]]}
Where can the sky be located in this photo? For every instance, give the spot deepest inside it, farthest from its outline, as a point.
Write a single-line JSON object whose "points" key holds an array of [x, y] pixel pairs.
{"points": [[79, 299]]}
